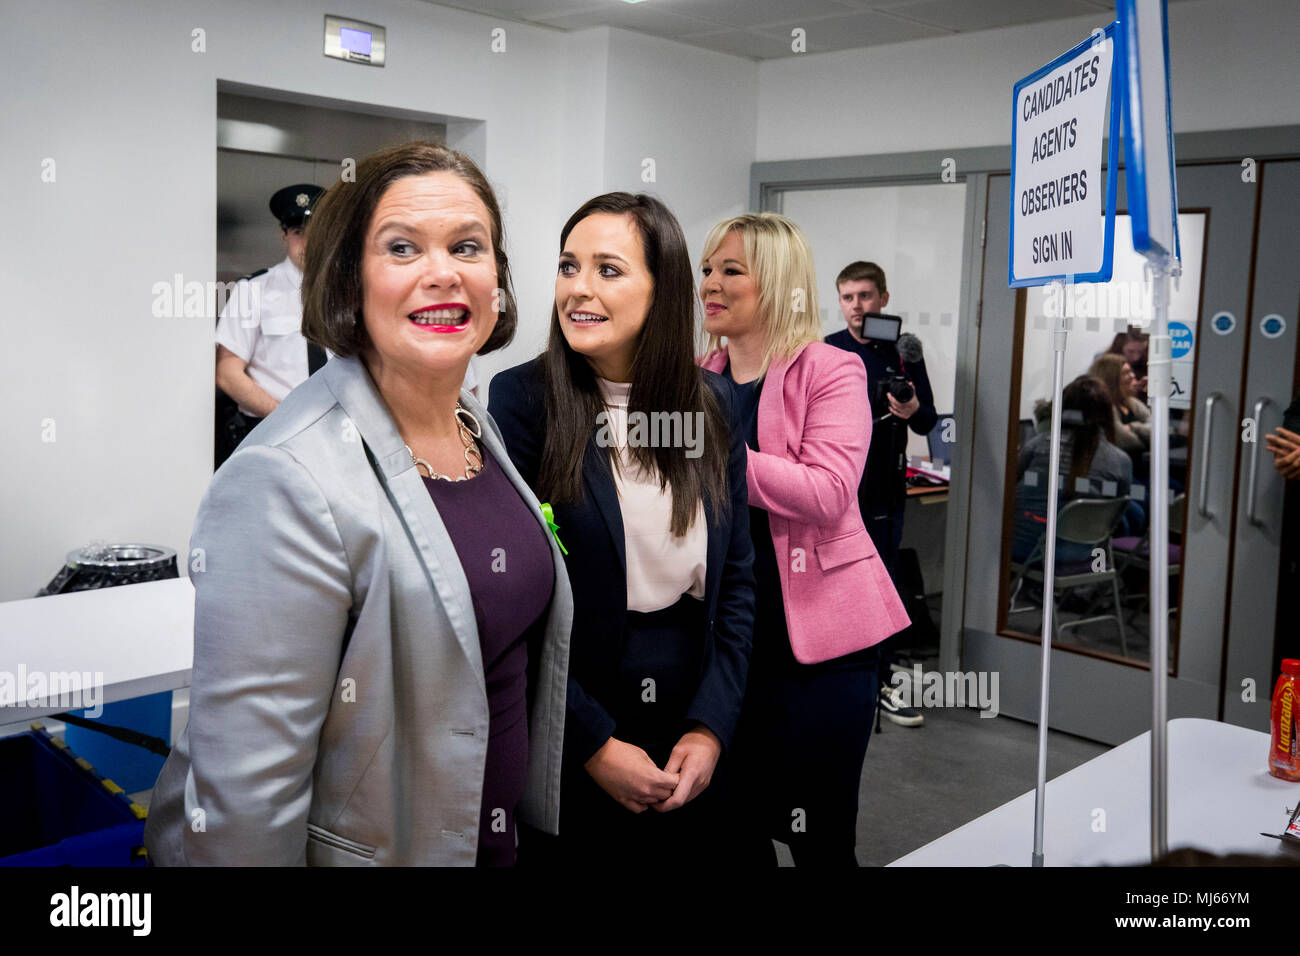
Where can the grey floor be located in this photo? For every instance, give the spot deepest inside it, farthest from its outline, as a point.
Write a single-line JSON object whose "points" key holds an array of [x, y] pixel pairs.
{"points": [[919, 783]]}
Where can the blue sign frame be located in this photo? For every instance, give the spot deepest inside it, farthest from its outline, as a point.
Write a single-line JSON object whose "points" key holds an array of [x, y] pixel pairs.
{"points": [[1135, 155], [1116, 35]]}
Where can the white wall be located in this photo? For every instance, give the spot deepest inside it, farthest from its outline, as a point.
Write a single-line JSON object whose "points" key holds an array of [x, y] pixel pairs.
{"points": [[695, 114], [914, 233], [1234, 65], [115, 96]]}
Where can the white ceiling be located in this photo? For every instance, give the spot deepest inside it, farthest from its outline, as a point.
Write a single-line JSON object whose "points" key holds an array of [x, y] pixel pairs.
{"points": [[760, 29]]}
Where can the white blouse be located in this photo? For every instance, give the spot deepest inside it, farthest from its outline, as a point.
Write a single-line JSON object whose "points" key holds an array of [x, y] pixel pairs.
{"points": [[660, 567]]}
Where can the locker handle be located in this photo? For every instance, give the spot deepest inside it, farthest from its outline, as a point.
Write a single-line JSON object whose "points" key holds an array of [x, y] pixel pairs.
{"points": [[1254, 464], [1203, 506]]}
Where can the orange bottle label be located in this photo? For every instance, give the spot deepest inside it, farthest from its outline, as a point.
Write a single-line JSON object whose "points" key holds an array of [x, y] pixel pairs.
{"points": [[1284, 736]]}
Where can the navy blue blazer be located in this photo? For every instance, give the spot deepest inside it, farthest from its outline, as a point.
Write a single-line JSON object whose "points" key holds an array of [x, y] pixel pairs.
{"points": [[592, 531]]}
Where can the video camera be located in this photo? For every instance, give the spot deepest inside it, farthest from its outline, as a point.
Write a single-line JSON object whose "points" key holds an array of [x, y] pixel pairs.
{"points": [[888, 328]]}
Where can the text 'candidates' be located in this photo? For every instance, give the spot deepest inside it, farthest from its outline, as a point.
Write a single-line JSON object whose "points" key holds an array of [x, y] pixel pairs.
{"points": [[1059, 197]]}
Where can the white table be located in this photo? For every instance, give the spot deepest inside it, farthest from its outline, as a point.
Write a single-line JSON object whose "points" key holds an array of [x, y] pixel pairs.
{"points": [[1221, 797], [139, 636]]}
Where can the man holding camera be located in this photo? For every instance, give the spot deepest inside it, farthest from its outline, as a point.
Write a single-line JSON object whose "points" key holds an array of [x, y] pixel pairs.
{"points": [[901, 398]]}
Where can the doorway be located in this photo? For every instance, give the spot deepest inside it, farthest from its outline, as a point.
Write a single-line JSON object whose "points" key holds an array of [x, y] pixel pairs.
{"points": [[915, 231], [1232, 628], [1233, 322], [263, 144]]}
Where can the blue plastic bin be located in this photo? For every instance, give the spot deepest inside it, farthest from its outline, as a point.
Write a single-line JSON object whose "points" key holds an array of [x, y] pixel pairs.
{"points": [[132, 767], [55, 810]]}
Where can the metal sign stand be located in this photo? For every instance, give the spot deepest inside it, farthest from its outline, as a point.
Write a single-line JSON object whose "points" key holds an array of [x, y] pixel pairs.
{"points": [[1159, 368], [1059, 335]]}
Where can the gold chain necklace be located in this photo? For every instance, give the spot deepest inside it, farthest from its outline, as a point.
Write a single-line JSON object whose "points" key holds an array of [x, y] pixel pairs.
{"points": [[473, 457]]}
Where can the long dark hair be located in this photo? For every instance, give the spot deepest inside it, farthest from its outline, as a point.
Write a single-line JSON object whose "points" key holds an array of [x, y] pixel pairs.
{"points": [[664, 377], [1088, 398]]}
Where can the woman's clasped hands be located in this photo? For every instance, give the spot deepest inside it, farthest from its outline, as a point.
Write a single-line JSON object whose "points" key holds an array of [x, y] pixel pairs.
{"points": [[627, 773]]}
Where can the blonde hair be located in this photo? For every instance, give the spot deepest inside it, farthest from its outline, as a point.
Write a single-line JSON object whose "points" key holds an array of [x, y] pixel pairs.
{"points": [[1108, 368], [781, 262]]}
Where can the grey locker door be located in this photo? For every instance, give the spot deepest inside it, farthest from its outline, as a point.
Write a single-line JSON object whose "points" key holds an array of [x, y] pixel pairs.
{"points": [[1269, 335], [1093, 695]]}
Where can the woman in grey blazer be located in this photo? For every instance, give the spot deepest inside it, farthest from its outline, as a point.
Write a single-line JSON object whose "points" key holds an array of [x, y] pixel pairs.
{"points": [[381, 616]]}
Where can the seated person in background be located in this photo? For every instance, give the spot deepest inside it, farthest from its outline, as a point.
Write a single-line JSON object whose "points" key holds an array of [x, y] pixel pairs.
{"points": [[1042, 416], [1087, 451], [1132, 347], [1132, 419]]}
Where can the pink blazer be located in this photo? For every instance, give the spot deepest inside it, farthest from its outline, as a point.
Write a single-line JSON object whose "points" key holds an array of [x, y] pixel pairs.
{"points": [[814, 424]]}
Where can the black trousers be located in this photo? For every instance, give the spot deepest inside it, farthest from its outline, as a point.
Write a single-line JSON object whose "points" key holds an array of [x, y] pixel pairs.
{"points": [[798, 755], [659, 674], [886, 532], [238, 425]]}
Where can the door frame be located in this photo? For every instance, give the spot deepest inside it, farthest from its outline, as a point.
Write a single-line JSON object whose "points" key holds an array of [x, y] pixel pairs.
{"points": [[768, 180]]}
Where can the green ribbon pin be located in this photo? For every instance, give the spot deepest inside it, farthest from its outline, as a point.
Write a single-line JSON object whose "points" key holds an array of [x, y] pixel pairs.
{"points": [[549, 514]]}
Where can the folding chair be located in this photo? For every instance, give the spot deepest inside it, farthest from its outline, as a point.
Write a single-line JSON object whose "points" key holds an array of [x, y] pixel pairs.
{"points": [[1135, 552], [1086, 521]]}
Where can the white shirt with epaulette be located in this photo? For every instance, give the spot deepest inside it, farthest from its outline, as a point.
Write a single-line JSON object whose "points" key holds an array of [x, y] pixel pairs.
{"points": [[265, 330]]}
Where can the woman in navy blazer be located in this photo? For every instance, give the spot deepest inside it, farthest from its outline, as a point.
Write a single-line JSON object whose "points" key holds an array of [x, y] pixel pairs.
{"points": [[658, 546]]}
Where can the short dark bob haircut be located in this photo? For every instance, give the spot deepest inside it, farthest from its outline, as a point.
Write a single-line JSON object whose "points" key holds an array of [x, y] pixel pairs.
{"points": [[331, 280]]}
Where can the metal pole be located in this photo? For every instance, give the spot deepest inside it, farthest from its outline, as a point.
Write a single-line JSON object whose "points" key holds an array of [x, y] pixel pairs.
{"points": [[1049, 574], [1158, 384]]}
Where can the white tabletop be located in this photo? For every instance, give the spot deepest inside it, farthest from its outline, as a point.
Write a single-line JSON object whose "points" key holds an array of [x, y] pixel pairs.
{"points": [[1221, 797], [140, 637]]}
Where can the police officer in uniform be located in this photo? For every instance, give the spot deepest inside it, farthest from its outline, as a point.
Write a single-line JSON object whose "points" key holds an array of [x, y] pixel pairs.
{"points": [[261, 353]]}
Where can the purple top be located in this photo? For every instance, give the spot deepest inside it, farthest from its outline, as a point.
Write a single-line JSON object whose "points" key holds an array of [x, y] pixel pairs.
{"points": [[507, 561]]}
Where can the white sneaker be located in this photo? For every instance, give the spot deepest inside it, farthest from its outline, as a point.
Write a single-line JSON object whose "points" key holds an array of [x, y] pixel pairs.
{"points": [[892, 706]]}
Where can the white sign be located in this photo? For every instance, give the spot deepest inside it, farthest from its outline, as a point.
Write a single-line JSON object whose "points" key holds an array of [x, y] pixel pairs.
{"points": [[1180, 383], [1148, 142], [1058, 226]]}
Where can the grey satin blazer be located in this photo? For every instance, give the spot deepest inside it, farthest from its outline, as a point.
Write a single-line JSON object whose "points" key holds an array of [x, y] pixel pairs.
{"points": [[338, 710]]}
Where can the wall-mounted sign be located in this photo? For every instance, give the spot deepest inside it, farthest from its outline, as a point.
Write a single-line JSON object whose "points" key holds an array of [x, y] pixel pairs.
{"points": [[1180, 340], [355, 41]]}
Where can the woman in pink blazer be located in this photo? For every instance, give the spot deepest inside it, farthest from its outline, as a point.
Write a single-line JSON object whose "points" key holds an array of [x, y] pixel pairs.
{"points": [[824, 597]]}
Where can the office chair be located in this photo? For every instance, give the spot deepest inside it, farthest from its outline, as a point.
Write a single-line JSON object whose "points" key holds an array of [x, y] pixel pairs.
{"points": [[941, 450]]}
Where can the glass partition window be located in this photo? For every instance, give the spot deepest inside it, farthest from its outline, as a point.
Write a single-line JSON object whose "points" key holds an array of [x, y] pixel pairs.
{"points": [[1103, 518], [914, 233]]}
